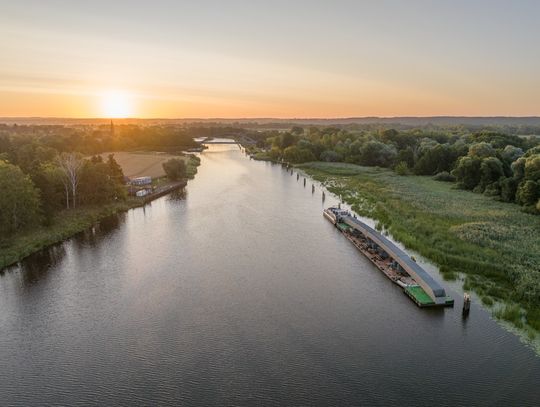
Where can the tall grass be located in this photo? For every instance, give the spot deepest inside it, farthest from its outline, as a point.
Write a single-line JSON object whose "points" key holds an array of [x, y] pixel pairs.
{"points": [[495, 244]]}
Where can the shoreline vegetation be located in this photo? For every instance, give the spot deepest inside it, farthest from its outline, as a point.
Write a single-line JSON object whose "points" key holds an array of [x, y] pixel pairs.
{"points": [[57, 180], [69, 222], [481, 242], [467, 198]]}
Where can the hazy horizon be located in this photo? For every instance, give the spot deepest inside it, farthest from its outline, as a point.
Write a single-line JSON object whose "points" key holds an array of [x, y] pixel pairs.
{"points": [[254, 60]]}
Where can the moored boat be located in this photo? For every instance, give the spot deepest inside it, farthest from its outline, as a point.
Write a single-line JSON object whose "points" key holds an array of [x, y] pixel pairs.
{"points": [[390, 259], [335, 213]]}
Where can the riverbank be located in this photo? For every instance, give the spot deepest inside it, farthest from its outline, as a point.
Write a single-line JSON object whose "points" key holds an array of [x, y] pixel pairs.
{"points": [[68, 223], [487, 244]]}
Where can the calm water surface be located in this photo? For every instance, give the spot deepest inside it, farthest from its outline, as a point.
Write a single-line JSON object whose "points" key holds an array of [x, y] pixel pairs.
{"points": [[239, 294]]}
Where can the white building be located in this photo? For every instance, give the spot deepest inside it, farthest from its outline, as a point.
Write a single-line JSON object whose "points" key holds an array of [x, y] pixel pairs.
{"points": [[141, 181], [142, 192]]}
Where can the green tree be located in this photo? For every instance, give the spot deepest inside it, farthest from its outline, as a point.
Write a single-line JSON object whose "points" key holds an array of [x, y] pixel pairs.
{"points": [[330, 156], [491, 170], [19, 200], [294, 154], [508, 189], [518, 168], [96, 185], [511, 153], [440, 157], [115, 171], [407, 155], [528, 193], [532, 168], [467, 172], [481, 150], [286, 140], [175, 168], [48, 179], [375, 153]]}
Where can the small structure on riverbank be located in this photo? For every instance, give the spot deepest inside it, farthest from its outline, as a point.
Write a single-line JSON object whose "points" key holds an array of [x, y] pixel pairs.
{"points": [[141, 181], [466, 303], [143, 192]]}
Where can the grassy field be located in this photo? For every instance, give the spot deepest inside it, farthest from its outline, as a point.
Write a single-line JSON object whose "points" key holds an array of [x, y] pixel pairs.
{"points": [[493, 244], [138, 164]]}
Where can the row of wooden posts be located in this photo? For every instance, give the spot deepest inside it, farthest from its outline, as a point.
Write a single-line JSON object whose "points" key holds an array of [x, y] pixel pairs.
{"points": [[305, 179]]}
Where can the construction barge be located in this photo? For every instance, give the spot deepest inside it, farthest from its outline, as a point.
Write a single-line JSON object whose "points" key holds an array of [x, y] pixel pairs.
{"points": [[401, 269]]}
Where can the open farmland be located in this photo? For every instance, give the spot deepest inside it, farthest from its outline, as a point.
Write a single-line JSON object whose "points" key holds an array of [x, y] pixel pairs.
{"points": [[138, 164]]}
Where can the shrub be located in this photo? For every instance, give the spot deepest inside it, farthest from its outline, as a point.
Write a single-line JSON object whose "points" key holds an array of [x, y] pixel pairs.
{"points": [[402, 168], [175, 168], [444, 176], [330, 156]]}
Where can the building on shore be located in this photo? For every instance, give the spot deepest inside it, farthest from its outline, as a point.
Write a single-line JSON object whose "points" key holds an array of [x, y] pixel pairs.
{"points": [[141, 181]]}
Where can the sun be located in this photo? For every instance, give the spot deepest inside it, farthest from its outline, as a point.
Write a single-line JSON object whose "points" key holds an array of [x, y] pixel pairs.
{"points": [[116, 104]]}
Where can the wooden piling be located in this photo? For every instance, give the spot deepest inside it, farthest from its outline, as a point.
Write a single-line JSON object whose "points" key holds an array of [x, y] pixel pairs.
{"points": [[466, 303]]}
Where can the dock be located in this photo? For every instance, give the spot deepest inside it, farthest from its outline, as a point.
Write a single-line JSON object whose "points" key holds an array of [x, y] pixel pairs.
{"points": [[164, 190]]}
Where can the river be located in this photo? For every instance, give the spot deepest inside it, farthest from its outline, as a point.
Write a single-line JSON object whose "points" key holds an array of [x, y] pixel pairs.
{"points": [[240, 293]]}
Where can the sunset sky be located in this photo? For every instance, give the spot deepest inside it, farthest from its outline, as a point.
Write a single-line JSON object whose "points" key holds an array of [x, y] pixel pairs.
{"points": [[254, 58]]}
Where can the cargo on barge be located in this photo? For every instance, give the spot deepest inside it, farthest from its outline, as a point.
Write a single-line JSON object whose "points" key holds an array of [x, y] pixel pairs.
{"points": [[390, 259]]}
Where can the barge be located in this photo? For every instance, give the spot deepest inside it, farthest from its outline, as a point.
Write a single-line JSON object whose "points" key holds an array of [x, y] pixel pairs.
{"points": [[395, 264]]}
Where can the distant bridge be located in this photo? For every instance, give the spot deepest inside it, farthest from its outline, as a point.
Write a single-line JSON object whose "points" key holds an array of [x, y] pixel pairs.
{"points": [[236, 139], [219, 142]]}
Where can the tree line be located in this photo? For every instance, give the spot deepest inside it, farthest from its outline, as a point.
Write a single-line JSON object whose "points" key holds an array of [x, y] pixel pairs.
{"points": [[34, 195], [47, 169], [504, 166], [19, 141]]}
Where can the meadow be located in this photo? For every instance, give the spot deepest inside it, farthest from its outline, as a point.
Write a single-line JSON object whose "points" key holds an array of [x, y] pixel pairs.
{"points": [[492, 246], [138, 164]]}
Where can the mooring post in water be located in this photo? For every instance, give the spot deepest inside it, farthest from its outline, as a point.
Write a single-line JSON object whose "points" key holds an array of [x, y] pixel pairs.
{"points": [[323, 196], [297, 176], [304, 182], [466, 303], [312, 188]]}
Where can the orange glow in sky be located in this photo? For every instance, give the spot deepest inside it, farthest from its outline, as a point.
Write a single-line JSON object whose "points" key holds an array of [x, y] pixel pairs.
{"points": [[116, 104], [296, 59]]}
